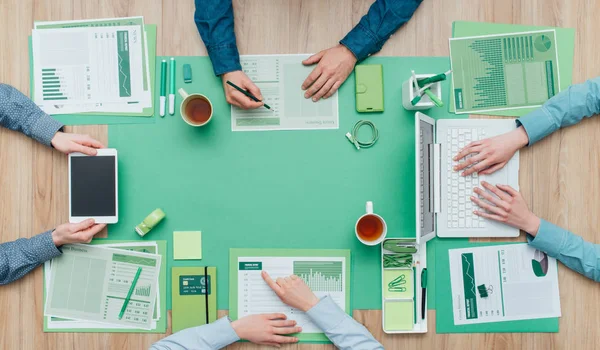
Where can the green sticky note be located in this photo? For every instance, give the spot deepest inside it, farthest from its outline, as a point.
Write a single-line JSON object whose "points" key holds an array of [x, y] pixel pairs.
{"points": [[187, 245], [402, 280], [398, 316]]}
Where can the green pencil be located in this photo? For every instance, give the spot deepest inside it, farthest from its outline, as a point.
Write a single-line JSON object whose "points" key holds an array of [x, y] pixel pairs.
{"points": [[135, 279], [252, 97]]}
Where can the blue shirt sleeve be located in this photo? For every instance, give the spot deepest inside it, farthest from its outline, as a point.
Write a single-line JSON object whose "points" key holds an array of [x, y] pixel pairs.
{"points": [[214, 19], [23, 255], [211, 336], [565, 109], [375, 28], [343, 331], [18, 112], [568, 248]]}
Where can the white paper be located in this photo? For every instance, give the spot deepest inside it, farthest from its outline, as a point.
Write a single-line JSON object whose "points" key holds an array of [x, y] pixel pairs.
{"points": [[256, 297], [280, 77], [90, 283], [521, 282]]}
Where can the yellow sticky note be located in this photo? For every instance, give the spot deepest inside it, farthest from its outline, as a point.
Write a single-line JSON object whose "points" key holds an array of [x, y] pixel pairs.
{"points": [[187, 245], [398, 316]]}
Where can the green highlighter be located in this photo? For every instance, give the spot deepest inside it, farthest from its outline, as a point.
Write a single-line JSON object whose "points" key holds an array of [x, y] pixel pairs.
{"points": [[369, 88]]}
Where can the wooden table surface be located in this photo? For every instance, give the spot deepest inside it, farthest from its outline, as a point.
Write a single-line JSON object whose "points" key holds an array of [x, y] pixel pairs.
{"points": [[559, 176]]}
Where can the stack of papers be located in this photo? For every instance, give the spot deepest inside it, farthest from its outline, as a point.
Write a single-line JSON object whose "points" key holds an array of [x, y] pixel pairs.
{"points": [[87, 286], [91, 66]]}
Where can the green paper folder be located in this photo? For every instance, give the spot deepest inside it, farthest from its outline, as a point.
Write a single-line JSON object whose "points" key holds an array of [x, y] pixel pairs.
{"points": [[92, 118], [565, 38], [194, 297], [444, 315], [161, 324], [235, 253], [258, 196]]}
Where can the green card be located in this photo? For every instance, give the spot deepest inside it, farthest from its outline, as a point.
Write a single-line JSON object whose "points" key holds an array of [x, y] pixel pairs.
{"points": [[187, 245], [194, 296]]}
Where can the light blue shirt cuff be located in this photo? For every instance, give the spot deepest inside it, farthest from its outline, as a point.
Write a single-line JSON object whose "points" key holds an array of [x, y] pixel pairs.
{"points": [[326, 314], [538, 124], [550, 238], [44, 129], [221, 332]]}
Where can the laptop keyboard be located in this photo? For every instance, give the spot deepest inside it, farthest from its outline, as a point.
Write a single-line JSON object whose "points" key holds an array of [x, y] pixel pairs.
{"points": [[422, 189], [460, 188]]}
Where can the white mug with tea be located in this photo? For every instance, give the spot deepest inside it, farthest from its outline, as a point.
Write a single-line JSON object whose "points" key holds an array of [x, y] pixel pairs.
{"points": [[370, 228], [196, 109]]}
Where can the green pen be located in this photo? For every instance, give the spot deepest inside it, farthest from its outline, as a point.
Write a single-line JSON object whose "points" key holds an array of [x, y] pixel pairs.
{"points": [[135, 279], [172, 87], [249, 95], [423, 291], [163, 87], [434, 79], [434, 98]]}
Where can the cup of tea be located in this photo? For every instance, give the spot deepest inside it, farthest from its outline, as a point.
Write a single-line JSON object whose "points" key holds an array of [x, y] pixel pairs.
{"points": [[196, 109], [370, 228]]}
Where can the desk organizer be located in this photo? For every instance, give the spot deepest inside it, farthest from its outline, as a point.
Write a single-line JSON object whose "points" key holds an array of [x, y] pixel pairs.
{"points": [[401, 286], [409, 92]]}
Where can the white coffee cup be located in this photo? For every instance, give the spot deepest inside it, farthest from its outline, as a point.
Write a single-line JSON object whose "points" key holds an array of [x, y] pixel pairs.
{"points": [[370, 228]]}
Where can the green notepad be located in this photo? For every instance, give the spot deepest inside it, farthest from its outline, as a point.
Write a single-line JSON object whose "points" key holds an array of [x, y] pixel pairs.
{"points": [[565, 38], [187, 245], [444, 316], [146, 117], [194, 296]]}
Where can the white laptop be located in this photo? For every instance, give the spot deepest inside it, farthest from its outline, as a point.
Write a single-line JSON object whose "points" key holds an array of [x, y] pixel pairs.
{"points": [[444, 206]]}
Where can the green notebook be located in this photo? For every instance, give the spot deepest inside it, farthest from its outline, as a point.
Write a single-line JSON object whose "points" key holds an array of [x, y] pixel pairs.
{"points": [[565, 38], [443, 295], [194, 296]]}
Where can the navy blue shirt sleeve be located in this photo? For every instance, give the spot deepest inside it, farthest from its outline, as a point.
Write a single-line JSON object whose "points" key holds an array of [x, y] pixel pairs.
{"points": [[376, 27], [214, 19]]}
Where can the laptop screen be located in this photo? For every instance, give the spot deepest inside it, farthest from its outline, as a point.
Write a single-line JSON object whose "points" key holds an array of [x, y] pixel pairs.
{"points": [[427, 215]]}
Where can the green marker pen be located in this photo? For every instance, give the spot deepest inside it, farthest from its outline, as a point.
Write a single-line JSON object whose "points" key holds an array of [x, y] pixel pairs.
{"points": [[172, 87], [163, 87], [423, 291]]}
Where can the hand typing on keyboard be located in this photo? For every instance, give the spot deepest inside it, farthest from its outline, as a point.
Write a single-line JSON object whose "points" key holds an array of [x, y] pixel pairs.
{"points": [[505, 204], [485, 156]]}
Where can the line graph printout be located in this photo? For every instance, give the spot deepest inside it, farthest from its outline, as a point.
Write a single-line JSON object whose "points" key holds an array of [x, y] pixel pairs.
{"points": [[88, 65], [503, 283], [324, 275], [90, 283]]}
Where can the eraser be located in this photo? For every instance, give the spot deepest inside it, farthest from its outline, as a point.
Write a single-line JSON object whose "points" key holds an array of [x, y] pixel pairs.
{"points": [[150, 222]]}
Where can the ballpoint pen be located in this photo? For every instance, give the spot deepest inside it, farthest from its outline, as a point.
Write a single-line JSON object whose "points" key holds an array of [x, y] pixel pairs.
{"points": [[252, 97], [163, 87], [172, 87], [135, 279]]}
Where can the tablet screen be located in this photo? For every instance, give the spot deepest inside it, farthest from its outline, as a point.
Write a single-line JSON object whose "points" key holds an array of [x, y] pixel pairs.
{"points": [[93, 186]]}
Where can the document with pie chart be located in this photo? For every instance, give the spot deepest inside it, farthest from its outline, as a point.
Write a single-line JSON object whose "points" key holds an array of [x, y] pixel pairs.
{"points": [[504, 71], [503, 283]]}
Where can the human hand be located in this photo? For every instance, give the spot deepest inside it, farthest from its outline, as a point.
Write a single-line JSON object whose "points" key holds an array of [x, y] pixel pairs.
{"points": [[491, 154], [81, 232], [69, 143], [293, 291], [507, 206], [235, 97], [334, 66], [266, 329]]}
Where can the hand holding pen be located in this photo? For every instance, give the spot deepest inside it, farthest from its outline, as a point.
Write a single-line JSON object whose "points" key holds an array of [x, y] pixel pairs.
{"points": [[235, 96]]}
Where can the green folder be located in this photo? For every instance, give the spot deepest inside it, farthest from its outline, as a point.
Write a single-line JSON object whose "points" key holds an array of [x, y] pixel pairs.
{"points": [[444, 316], [194, 296], [161, 324], [93, 118], [566, 51]]}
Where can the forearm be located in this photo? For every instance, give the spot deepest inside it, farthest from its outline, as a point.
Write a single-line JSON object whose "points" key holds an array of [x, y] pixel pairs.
{"points": [[23, 255], [19, 113], [216, 335], [214, 20], [341, 329], [567, 108], [375, 28], [568, 248]]}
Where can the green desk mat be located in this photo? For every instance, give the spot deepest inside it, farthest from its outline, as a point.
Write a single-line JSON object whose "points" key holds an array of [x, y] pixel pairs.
{"points": [[565, 38], [161, 324], [107, 118], [273, 189], [444, 314]]}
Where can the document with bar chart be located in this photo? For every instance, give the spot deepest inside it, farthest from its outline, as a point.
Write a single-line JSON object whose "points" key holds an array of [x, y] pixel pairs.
{"points": [[326, 272], [91, 283], [505, 71]]}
